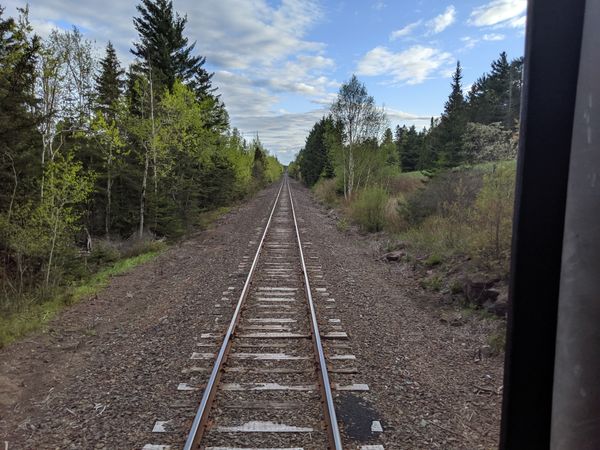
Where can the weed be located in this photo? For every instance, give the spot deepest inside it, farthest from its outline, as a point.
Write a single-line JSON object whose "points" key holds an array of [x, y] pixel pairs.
{"points": [[456, 287], [432, 283], [342, 225], [497, 341], [326, 191], [433, 260], [368, 210]]}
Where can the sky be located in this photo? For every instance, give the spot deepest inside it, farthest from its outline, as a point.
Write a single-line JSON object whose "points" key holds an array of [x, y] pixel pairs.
{"points": [[278, 65]]}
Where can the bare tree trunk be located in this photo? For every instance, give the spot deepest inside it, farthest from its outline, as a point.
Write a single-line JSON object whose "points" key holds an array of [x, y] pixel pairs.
{"points": [[108, 193], [154, 157], [350, 171], [14, 191], [143, 195], [52, 247]]}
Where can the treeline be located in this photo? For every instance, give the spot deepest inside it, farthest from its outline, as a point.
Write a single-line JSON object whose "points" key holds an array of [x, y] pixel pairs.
{"points": [[91, 149], [354, 143]]}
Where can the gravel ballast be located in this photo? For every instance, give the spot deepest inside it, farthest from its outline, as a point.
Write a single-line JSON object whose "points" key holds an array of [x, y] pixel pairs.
{"points": [[108, 367]]}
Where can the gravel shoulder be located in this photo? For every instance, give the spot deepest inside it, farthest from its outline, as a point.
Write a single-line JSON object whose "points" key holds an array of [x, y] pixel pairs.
{"points": [[107, 368], [426, 377]]}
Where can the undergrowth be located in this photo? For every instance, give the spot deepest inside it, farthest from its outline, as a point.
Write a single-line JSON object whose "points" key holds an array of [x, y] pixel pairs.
{"points": [[34, 316]]}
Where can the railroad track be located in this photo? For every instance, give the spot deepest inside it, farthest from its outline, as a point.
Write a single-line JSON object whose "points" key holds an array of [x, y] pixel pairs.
{"points": [[269, 386]]}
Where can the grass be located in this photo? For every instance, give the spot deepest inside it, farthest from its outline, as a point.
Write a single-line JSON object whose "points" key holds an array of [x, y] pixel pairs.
{"points": [[497, 341], [35, 316], [207, 218]]}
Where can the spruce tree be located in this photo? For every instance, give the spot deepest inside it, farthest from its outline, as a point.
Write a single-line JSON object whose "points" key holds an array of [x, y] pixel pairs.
{"points": [[109, 83], [163, 50], [19, 137], [453, 124]]}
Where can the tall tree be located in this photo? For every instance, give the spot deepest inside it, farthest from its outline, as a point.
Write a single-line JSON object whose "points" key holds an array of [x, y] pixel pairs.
{"points": [[18, 135], [361, 120], [316, 161], [452, 124], [389, 148], [163, 50], [109, 83]]}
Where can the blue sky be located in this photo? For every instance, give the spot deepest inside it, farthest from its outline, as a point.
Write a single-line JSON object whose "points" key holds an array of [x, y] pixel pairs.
{"points": [[278, 64]]}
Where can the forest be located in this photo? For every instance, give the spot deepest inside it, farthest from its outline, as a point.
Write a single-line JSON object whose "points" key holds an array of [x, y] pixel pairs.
{"points": [[100, 162], [442, 192]]}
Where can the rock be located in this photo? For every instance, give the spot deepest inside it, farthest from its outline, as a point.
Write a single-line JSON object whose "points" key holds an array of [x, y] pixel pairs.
{"points": [[500, 306], [394, 256], [478, 290]]}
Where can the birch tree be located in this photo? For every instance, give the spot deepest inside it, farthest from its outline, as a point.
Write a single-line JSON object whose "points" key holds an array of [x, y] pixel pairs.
{"points": [[361, 120]]}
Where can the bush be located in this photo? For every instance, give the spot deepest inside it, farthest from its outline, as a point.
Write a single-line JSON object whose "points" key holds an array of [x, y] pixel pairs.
{"points": [[326, 191], [105, 251], [494, 211], [394, 219], [406, 183], [369, 209], [450, 187]]}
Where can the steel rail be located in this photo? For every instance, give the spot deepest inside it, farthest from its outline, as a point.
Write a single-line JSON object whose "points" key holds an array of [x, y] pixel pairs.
{"points": [[333, 429], [199, 423]]}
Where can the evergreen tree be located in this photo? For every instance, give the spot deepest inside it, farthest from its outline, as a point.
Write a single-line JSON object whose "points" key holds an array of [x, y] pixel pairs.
{"points": [[316, 160], [109, 83], [453, 124], [496, 97], [388, 147], [18, 134], [410, 151], [163, 50]]}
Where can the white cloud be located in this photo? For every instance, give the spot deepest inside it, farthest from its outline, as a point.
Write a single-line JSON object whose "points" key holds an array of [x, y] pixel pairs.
{"points": [[499, 13], [284, 134], [493, 37], [469, 42], [407, 30], [443, 21], [379, 5], [411, 66]]}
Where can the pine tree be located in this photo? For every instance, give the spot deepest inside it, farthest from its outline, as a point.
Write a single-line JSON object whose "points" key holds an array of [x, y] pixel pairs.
{"points": [[453, 124], [410, 155], [18, 121], [389, 148], [163, 50], [109, 83], [316, 160]]}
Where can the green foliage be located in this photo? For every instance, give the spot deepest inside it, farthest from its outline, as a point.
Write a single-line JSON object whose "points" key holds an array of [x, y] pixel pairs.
{"points": [[433, 260], [432, 283], [342, 225], [34, 316], [83, 156], [316, 156], [486, 143], [475, 220], [368, 211], [326, 191], [493, 211]]}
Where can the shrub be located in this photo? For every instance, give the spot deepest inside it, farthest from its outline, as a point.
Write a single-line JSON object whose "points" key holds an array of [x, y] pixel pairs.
{"points": [[406, 183], [326, 191], [494, 211], [105, 251], [433, 260], [369, 209], [342, 225]]}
